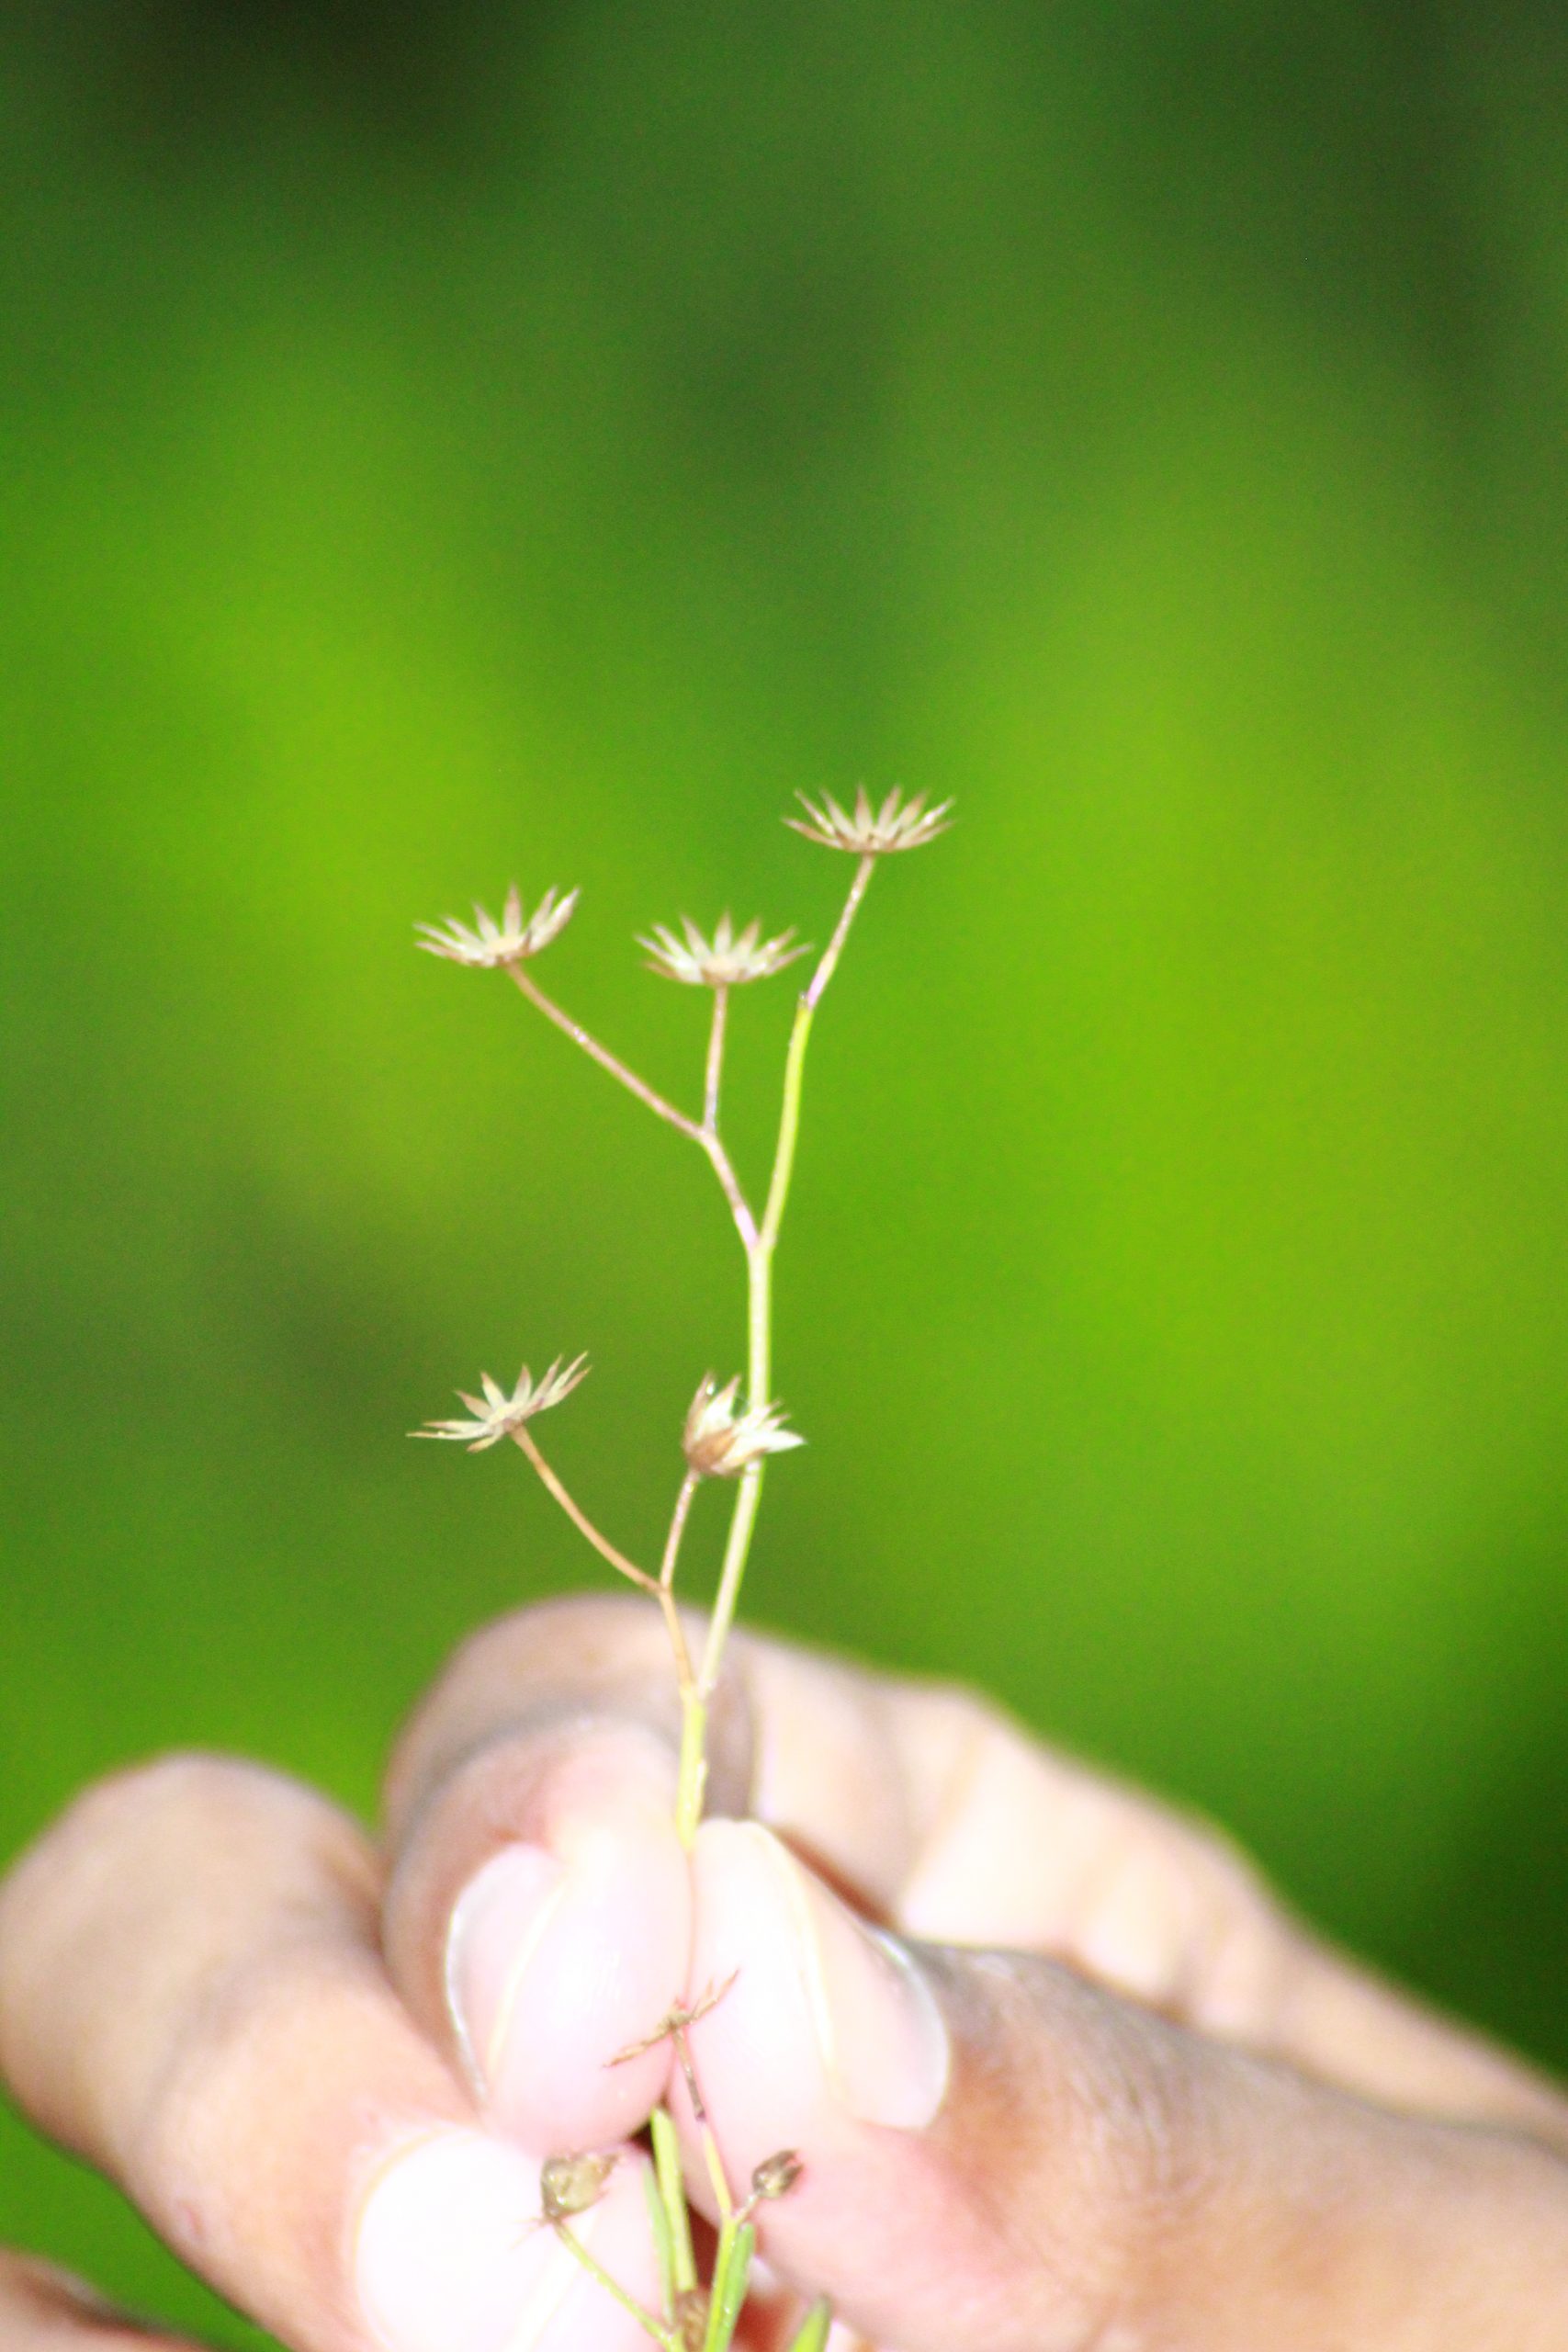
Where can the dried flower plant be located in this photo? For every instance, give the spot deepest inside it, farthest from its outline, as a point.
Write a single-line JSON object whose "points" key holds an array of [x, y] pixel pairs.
{"points": [[730, 1432], [728, 960], [510, 941]]}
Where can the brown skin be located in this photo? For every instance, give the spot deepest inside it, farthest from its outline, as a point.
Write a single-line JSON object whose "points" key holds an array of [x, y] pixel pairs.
{"points": [[1173, 2118]]}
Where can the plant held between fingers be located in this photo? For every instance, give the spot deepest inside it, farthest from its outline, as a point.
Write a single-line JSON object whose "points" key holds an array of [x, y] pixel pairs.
{"points": [[731, 1430]]}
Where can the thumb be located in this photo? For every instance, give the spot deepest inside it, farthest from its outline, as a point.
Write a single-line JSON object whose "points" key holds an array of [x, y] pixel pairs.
{"points": [[999, 2156]]}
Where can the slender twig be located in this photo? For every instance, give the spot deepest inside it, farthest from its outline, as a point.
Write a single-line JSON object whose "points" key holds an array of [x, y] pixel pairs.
{"points": [[827, 962], [671, 1615], [660, 1587], [723, 2195], [645, 2320], [760, 1284], [604, 1056], [743, 1519], [522, 1436], [677, 1529], [715, 1060], [739, 1207], [701, 1133]]}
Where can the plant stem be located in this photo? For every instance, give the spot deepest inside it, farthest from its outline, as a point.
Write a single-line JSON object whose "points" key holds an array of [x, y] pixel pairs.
{"points": [[739, 1207], [715, 1060], [703, 1134], [602, 1056], [760, 1288], [645, 2320], [579, 1516], [660, 1587], [691, 1779], [828, 962]]}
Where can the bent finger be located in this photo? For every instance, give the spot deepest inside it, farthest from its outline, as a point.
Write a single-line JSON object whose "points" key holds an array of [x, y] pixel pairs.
{"points": [[42, 2310], [999, 2156], [537, 1919], [192, 1998]]}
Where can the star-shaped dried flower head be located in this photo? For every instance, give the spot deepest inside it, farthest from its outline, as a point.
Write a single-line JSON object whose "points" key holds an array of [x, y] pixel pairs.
{"points": [[871, 832], [726, 961], [496, 1415], [719, 1443], [571, 2185], [510, 941]]}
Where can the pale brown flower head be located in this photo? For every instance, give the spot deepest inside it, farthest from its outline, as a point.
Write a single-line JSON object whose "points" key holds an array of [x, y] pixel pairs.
{"points": [[728, 960], [719, 1443], [496, 1415], [776, 2176], [871, 832], [510, 941], [570, 2184], [692, 2318]]}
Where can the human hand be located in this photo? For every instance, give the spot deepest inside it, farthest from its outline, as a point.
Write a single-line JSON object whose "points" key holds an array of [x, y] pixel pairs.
{"points": [[1082, 2085]]}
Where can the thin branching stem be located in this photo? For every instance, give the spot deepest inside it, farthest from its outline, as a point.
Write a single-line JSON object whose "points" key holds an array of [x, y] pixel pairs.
{"points": [[677, 1529], [827, 962], [715, 1060], [644, 2319], [639, 1577], [724, 2196], [660, 1587], [684, 1673], [739, 1207], [604, 1056], [700, 1132], [759, 1285]]}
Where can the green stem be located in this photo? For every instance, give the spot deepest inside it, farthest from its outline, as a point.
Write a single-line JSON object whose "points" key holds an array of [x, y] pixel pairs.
{"points": [[731, 2275], [693, 1779], [645, 2320], [760, 1343], [789, 1127], [673, 2196]]}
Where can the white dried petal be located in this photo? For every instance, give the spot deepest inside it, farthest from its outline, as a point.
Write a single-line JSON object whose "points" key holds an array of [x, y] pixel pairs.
{"points": [[728, 960], [720, 1442], [491, 944], [871, 832], [496, 1414]]}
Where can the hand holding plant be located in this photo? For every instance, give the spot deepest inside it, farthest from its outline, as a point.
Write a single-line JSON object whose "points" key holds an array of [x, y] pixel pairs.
{"points": [[978, 2048], [729, 1433]]}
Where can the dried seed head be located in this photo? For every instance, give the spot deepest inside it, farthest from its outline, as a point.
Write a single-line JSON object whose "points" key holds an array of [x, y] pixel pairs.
{"points": [[692, 2318], [776, 2176], [728, 960], [719, 1443], [510, 941], [570, 2184], [871, 832], [496, 1415]]}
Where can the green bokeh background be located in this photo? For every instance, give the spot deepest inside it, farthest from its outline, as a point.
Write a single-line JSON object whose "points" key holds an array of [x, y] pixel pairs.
{"points": [[447, 441]]}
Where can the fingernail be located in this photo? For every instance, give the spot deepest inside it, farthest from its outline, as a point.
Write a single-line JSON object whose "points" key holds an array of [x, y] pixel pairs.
{"points": [[497, 1926], [880, 2034], [561, 1956], [445, 2261]]}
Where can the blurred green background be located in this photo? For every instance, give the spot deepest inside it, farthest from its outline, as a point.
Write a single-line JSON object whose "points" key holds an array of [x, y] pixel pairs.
{"points": [[445, 441]]}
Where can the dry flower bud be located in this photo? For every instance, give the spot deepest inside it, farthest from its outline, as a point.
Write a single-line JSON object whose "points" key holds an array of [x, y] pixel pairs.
{"points": [[510, 941], [776, 2176], [496, 1415], [692, 2318], [871, 832], [728, 960], [719, 1443], [570, 2184]]}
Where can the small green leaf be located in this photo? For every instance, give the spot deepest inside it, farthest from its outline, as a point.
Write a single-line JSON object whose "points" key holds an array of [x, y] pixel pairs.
{"points": [[663, 2244], [672, 2198], [812, 2332], [731, 2277]]}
